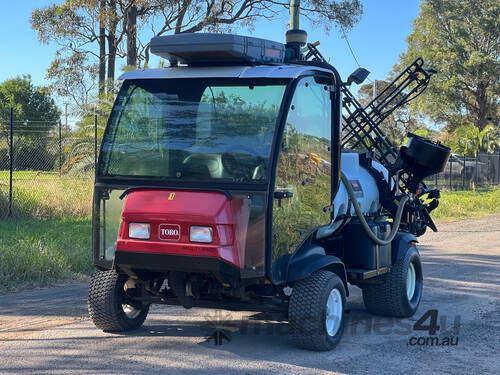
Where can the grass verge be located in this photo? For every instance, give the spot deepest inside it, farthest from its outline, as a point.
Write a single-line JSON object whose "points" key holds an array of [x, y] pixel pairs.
{"points": [[38, 253], [47, 196], [459, 205]]}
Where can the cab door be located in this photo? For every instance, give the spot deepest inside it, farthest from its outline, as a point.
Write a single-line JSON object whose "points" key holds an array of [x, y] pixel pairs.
{"points": [[302, 191]]}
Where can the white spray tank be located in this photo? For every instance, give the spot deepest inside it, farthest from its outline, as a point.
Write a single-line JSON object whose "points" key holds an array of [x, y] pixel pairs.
{"points": [[364, 186]]}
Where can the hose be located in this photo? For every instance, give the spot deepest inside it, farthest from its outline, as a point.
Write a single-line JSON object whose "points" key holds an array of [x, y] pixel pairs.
{"points": [[359, 213]]}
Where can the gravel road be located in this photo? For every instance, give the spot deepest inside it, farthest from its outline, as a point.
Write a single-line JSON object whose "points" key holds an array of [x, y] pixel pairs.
{"points": [[47, 331]]}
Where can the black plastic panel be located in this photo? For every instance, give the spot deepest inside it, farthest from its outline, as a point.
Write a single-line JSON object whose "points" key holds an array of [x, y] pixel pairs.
{"points": [[360, 250]]}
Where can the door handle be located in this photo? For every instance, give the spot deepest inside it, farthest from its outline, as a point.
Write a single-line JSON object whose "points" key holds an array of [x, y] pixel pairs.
{"points": [[282, 194], [279, 195]]}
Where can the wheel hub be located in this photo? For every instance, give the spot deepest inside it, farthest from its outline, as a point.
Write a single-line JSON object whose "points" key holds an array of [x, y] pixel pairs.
{"points": [[411, 278], [334, 310], [130, 311]]}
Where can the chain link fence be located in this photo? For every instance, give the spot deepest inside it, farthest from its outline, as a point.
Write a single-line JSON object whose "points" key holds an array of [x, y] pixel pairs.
{"points": [[46, 170]]}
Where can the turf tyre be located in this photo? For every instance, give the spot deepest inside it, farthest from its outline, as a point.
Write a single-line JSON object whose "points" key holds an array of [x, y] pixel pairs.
{"points": [[307, 311], [389, 298], [106, 299]]}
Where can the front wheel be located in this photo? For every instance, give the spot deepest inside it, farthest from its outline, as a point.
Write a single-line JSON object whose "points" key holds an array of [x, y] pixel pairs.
{"points": [[316, 311], [110, 304], [400, 291]]}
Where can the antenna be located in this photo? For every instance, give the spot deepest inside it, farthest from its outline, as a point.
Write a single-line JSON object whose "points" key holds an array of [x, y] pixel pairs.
{"points": [[295, 37]]}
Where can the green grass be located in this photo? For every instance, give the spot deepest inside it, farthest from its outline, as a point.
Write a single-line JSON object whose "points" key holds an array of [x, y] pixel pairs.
{"points": [[28, 175], [38, 253], [41, 195], [459, 205]]}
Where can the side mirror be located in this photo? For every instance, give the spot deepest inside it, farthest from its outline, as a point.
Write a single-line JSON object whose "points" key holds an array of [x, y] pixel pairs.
{"points": [[358, 76]]}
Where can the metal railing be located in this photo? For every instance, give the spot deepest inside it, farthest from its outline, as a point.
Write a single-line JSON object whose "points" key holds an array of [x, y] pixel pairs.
{"points": [[467, 173]]}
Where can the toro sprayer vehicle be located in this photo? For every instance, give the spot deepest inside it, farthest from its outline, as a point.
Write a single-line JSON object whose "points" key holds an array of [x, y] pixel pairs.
{"points": [[246, 176]]}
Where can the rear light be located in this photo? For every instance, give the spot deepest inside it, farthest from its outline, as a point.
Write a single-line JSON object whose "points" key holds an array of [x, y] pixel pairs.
{"points": [[139, 231], [201, 234]]}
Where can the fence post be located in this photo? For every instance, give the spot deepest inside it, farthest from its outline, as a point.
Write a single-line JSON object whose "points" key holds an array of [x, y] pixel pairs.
{"points": [[95, 144], [11, 159], [60, 148], [464, 172], [477, 156], [451, 163]]}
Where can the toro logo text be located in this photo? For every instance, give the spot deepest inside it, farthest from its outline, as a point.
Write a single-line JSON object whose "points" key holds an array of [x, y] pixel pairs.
{"points": [[169, 232]]}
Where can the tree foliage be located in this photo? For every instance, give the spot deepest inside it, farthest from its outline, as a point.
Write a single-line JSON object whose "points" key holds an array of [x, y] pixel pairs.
{"points": [[469, 140], [31, 103], [461, 40], [72, 77], [35, 115], [97, 32]]}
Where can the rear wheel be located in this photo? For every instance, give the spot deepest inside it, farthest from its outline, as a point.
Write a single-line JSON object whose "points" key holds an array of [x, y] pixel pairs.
{"points": [[110, 304], [316, 311], [400, 291]]}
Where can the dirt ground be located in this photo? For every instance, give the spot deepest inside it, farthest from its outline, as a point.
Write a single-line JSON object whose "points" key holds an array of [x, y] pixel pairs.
{"points": [[47, 331]]}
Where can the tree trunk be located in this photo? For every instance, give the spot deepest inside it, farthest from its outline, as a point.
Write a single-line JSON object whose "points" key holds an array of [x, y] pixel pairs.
{"points": [[132, 36], [482, 106], [180, 18], [102, 47], [112, 44]]}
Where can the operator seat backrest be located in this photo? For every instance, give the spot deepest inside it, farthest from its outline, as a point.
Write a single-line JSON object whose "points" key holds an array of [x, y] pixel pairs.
{"points": [[202, 166]]}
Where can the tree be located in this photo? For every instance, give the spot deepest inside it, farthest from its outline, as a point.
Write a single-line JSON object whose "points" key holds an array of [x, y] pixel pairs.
{"points": [[461, 40], [76, 26], [73, 77], [98, 28], [35, 114], [469, 140], [80, 151], [31, 103]]}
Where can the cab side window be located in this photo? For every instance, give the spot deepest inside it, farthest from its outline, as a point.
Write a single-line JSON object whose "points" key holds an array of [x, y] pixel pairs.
{"points": [[303, 175]]}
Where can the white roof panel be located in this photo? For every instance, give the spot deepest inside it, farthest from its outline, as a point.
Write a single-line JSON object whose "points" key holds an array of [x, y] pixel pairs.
{"points": [[259, 71]]}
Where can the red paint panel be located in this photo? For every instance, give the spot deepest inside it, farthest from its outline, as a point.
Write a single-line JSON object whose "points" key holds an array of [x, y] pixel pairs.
{"points": [[204, 207], [170, 215]]}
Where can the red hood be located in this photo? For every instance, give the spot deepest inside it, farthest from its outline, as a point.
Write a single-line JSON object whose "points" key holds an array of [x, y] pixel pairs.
{"points": [[194, 207], [183, 209]]}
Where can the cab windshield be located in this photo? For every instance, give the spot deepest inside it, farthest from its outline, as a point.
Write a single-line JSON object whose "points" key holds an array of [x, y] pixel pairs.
{"points": [[192, 130]]}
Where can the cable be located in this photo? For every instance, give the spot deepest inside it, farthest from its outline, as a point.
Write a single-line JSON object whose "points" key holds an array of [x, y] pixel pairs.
{"points": [[352, 52]]}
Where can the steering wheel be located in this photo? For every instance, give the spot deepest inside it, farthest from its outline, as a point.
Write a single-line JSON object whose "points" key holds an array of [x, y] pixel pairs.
{"points": [[232, 165]]}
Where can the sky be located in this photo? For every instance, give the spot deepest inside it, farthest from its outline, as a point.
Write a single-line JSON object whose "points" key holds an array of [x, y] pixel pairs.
{"points": [[377, 40]]}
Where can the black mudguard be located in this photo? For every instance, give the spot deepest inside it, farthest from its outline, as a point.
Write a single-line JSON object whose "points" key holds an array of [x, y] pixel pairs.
{"points": [[400, 245], [311, 258]]}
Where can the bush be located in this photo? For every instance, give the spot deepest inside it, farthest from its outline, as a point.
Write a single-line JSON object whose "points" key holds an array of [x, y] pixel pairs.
{"points": [[35, 154]]}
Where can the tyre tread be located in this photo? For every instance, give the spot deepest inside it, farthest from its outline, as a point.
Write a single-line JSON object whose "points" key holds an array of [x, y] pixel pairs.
{"points": [[103, 306], [385, 298], [305, 304]]}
